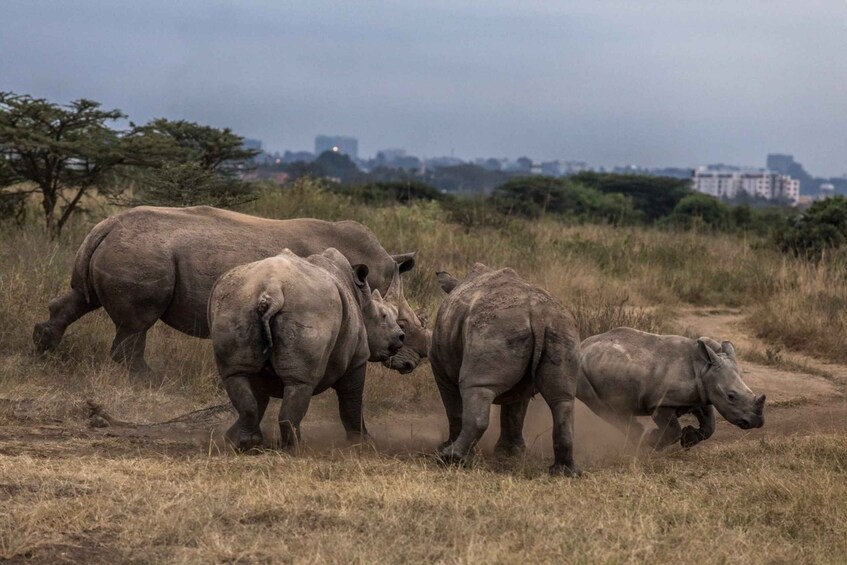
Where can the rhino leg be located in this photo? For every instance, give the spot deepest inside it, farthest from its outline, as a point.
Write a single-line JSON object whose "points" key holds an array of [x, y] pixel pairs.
{"points": [[668, 430], [128, 348], [245, 433], [691, 436], [452, 400], [295, 401], [512, 417], [561, 405], [476, 406], [64, 310], [350, 389]]}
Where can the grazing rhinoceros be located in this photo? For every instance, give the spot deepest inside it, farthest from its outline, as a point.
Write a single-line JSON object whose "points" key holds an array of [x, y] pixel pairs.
{"points": [[498, 339], [626, 373], [290, 327], [149, 263]]}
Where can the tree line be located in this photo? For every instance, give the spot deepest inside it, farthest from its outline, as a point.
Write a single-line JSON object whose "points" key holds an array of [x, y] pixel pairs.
{"points": [[62, 153]]}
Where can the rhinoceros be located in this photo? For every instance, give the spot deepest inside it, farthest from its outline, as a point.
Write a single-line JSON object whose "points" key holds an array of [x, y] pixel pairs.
{"points": [[626, 373], [498, 339], [152, 263], [290, 327]]}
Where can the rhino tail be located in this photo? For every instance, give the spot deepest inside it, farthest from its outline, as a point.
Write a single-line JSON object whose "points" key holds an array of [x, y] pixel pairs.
{"points": [[556, 349], [269, 305], [82, 263]]}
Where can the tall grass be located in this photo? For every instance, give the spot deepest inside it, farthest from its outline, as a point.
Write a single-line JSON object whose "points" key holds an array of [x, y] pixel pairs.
{"points": [[607, 276]]}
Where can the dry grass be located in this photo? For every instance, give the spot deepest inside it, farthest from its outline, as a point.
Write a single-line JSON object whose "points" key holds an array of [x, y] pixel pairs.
{"points": [[775, 502], [101, 497]]}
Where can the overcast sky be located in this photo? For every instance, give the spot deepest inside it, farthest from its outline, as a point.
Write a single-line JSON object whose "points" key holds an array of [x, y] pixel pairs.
{"points": [[611, 82]]}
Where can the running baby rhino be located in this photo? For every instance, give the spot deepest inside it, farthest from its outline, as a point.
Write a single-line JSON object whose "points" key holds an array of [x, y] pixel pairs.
{"points": [[626, 373]]}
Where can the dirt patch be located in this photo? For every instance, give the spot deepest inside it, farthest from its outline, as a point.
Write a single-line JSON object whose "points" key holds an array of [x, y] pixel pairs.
{"points": [[783, 387]]}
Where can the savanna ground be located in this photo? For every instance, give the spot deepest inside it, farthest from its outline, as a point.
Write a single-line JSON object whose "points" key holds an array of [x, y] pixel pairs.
{"points": [[98, 467]]}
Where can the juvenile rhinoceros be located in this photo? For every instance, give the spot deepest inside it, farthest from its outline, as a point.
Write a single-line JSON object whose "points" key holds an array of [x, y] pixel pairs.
{"points": [[498, 339], [151, 263], [626, 373], [291, 327]]}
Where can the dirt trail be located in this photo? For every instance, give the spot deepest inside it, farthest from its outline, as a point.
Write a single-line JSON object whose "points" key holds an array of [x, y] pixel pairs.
{"points": [[805, 396]]}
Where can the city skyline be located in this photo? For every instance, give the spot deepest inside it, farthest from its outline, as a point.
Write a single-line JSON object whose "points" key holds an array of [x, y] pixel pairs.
{"points": [[610, 83]]}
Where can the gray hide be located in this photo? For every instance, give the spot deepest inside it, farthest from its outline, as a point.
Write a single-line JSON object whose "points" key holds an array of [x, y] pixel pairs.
{"points": [[498, 339], [627, 372], [151, 263], [291, 327]]}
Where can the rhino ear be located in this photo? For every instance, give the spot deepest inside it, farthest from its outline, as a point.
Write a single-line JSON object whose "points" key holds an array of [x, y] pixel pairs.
{"points": [[729, 349], [706, 352], [360, 275], [405, 260], [447, 281]]}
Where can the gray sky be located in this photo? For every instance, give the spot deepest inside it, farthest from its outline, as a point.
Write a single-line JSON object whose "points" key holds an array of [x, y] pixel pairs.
{"points": [[606, 81]]}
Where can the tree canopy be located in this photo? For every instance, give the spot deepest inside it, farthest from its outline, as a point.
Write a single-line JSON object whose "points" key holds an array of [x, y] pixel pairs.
{"points": [[60, 152]]}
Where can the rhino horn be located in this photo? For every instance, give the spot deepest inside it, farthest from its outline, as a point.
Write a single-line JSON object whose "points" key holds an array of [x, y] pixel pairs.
{"points": [[760, 400], [394, 294]]}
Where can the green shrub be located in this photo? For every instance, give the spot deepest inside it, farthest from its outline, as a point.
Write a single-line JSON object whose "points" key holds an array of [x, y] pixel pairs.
{"points": [[822, 228], [699, 210]]}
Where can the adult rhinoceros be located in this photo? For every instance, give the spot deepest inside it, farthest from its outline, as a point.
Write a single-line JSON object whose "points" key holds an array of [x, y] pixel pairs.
{"points": [[149, 264]]}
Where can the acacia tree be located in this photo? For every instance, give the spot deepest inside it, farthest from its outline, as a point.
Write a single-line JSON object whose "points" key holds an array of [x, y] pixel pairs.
{"points": [[167, 141], [62, 152], [187, 163]]}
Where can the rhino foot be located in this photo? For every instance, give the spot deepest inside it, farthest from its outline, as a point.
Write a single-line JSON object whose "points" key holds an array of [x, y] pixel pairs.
{"points": [[690, 437], [45, 337], [509, 449], [559, 469], [243, 441], [448, 456]]}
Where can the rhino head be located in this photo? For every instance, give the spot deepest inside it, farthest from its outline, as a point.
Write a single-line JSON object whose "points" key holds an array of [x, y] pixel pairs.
{"points": [[416, 344], [385, 337], [724, 388]]}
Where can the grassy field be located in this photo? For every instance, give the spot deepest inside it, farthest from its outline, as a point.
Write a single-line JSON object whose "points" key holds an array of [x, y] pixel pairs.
{"points": [[70, 492]]}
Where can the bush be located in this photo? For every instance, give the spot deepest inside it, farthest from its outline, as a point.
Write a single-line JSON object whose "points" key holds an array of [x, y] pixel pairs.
{"points": [[700, 210], [533, 197], [403, 191], [823, 227]]}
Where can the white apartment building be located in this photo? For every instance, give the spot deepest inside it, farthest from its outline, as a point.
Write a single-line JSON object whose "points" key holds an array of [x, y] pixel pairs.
{"points": [[729, 183]]}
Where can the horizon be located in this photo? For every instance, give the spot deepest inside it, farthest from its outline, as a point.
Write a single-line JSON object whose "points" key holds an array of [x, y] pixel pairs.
{"points": [[658, 85]]}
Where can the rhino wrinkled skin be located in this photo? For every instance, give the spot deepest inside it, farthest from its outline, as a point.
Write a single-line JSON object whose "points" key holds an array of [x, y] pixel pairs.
{"points": [[627, 372], [290, 327], [152, 263], [498, 339]]}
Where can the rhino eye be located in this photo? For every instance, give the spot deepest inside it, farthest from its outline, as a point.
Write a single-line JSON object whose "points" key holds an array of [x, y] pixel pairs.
{"points": [[731, 396]]}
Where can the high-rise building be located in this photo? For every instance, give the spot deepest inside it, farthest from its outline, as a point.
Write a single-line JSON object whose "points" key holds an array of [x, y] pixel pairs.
{"points": [[338, 144], [730, 182]]}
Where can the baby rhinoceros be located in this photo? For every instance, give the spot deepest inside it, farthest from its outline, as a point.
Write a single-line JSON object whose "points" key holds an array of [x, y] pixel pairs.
{"points": [[626, 373], [498, 339], [292, 327]]}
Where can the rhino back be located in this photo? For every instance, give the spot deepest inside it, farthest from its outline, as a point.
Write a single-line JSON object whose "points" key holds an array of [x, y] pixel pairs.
{"points": [[317, 330], [633, 370], [487, 316], [178, 253]]}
